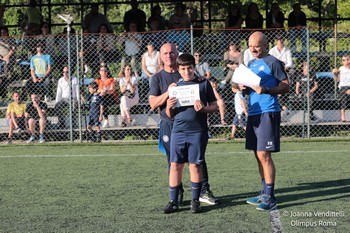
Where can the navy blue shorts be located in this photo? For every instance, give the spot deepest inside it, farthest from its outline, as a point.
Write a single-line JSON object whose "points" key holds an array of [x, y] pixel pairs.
{"points": [[263, 132], [188, 147], [94, 120]]}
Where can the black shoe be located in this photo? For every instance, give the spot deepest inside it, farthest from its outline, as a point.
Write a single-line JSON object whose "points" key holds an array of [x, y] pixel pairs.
{"points": [[180, 198], [170, 207], [196, 206]]}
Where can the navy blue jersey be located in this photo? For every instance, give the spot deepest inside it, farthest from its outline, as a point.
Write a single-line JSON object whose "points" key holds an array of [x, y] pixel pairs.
{"points": [[186, 118], [159, 85], [271, 72], [95, 101]]}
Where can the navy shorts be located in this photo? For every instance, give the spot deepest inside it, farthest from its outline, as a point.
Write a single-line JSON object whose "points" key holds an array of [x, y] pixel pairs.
{"points": [[94, 120], [263, 132], [188, 147]]}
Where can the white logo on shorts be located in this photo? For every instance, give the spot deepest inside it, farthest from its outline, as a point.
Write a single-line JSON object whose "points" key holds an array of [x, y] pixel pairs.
{"points": [[269, 145], [165, 138]]}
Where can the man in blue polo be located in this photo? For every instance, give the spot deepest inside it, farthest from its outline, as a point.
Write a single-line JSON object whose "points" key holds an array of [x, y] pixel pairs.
{"points": [[158, 97], [264, 117]]}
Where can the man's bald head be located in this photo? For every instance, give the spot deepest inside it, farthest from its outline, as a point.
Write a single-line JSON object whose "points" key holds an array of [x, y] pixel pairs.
{"points": [[168, 55], [258, 44]]}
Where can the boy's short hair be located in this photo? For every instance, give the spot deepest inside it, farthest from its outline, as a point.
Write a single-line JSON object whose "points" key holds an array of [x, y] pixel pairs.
{"points": [[93, 85], [185, 59]]}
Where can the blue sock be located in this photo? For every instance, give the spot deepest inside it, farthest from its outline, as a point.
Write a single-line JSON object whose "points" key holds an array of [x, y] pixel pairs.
{"points": [[196, 190], [270, 190], [263, 186], [174, 192]]}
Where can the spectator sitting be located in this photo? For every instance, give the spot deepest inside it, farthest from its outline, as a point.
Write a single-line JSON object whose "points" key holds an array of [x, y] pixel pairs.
{"points": [[156, 13], [135, 15], [220, 102], [232, 59], [297, 18], [7, 50], [15, 115], [247, 56], [307, 75], [133, 43], [253, 19], [241, 112], [202, 68], [234, 19], [63, 95], [96, 106], [36, 112], [180, 18], [106, 45], [106, 89], [93, 20], [150, 62], [40, 69], [275, 17], [130, 95], [282, 53], [342, 75]]}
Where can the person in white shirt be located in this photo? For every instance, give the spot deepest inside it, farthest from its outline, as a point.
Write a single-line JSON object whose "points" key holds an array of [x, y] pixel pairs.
{"points": [[63, 95], [342, 75], [247, 56], [284, 54], [150, 62]]}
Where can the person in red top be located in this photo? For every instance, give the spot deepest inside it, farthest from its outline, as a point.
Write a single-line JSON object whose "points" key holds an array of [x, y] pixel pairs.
{"points": [[106, 88]]}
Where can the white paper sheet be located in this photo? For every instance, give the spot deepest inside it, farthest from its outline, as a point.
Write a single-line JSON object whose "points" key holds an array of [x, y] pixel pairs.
{"points": [[243, 75], [186, 95]]}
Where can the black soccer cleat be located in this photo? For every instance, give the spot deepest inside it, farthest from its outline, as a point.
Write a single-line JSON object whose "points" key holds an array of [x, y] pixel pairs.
{"points": [[196, 206], [171, 207]]}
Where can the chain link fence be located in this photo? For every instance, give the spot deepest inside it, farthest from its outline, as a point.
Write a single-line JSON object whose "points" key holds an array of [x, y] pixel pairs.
{"points": [[311, 109]]}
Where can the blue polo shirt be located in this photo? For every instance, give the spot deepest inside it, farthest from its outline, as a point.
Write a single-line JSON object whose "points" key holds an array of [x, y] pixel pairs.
{"points": [[271, 72]]}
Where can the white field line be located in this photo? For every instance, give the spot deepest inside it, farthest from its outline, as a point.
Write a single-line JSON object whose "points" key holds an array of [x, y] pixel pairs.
{"points": [[130, 155]]}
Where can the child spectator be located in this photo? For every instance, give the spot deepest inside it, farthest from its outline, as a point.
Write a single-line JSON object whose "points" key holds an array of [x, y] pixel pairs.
{"points": [[15, 115], [95, 103], [189, 135], [36, 112], [240, 110]]}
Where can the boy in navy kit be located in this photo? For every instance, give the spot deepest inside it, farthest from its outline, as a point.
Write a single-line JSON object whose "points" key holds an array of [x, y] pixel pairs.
{"points": [[95, 103], [189, 136]]}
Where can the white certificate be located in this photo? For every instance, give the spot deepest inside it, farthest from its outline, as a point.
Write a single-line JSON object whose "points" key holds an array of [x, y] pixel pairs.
{"points": [[185, 95], [245, 76]]}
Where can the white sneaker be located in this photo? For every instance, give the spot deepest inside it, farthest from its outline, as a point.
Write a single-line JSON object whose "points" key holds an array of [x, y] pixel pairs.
{"points": [[31, 139], [105, 124]]}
